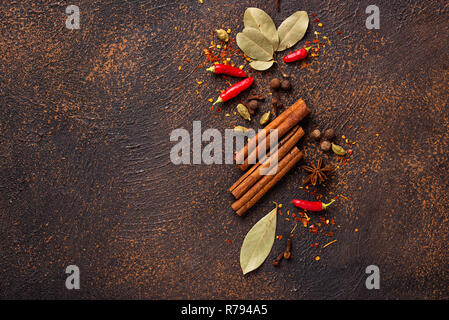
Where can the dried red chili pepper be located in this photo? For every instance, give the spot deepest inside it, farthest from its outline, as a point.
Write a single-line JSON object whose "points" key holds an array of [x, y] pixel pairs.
{"points": [[297, 55], [235, 90], [311, 205], [227, 70]]}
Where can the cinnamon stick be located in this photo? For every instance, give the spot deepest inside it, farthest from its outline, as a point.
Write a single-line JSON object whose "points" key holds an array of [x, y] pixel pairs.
{"points": [[254, 167], [243, 153], [253, 175], [289, 119], [253, 195]]}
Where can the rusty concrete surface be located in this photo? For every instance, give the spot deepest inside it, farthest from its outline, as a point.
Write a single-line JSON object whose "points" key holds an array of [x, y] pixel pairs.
{"points": [[86, 178]]}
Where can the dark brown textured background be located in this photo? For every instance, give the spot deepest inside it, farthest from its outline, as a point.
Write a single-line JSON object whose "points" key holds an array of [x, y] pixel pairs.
{"points": [[86, 179]]}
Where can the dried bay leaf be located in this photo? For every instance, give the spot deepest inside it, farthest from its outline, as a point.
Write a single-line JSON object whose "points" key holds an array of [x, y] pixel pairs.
{"points": [[261, 65], [260, 20], [254, 44], [258, 242], [292, 30]]}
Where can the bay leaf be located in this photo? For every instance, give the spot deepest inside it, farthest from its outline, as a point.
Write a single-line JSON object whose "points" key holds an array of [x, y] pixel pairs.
{"points": [[261, 65], [254, 44], [258, 242], [260, 20], [292, 30]]}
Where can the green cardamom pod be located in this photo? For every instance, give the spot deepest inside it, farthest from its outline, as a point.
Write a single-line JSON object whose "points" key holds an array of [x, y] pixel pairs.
{"points": [[265, 118], [243, 111], [240, 129], [338, 150], [222, 35]]}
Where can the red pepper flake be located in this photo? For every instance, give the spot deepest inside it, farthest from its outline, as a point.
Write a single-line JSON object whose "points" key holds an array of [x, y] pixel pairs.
{"points": [[313, 15], [316, 20], [229, 241], [330, 234], [313, 229], [315, 41], [218, 109], [339, 32]]}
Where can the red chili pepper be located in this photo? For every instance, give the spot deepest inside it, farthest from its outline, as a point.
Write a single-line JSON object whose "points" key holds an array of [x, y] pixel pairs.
{"points": [[311, 205], [297, 55], [227, 70], [235, 90]]}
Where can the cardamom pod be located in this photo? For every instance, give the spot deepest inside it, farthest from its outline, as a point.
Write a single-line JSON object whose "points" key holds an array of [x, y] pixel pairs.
{"points": [[338, 150], [240, 129], [265, 118], [243, 111], [222, 35]]}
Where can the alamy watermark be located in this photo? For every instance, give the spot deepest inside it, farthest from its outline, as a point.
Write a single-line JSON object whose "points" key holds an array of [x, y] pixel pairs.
{"points": [[373, 20], [373, 280], [189, 147], [73, 20], [73, 280]]}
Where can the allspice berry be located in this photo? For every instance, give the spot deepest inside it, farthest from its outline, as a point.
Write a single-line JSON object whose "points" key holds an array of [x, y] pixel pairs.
{"points": [[325, 145], [253, 104], [316, 134], [275, 84], [285, 85], [329, 134]]}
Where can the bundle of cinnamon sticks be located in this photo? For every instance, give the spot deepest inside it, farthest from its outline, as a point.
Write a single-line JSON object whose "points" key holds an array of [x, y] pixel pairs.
{"points": [[263, 175]]}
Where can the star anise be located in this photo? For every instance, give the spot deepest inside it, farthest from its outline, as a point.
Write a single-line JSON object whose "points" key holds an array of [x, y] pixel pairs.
{"points": [[317, 173]]}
